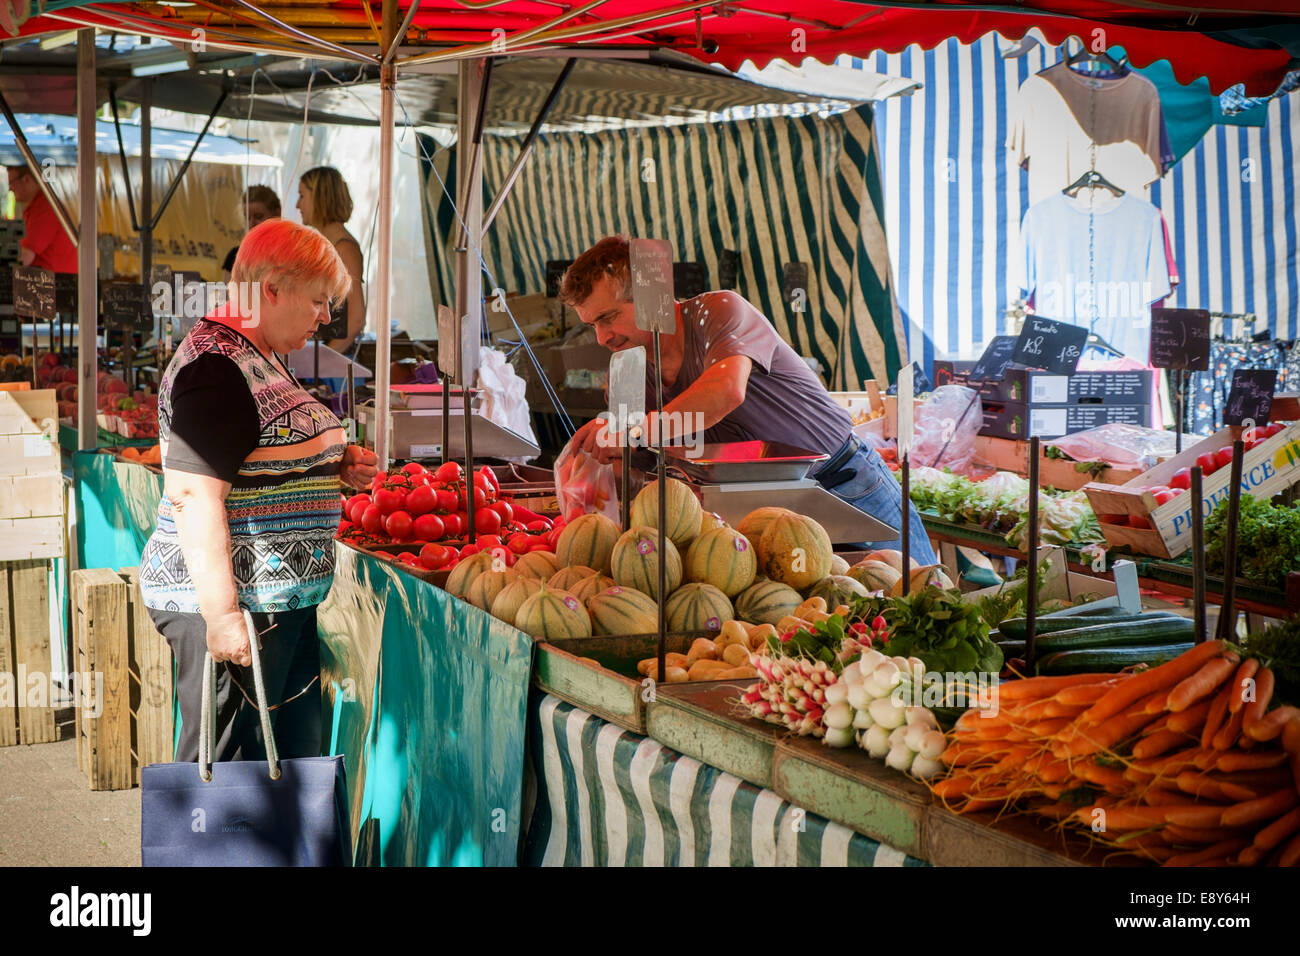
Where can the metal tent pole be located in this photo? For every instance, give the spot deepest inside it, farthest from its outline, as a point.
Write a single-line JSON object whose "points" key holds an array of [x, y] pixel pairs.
{"points": [[87, 297], [469, 275], [383, 274]]}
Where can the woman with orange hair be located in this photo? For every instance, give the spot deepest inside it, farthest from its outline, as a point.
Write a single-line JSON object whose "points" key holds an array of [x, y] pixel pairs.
{"points": [[252, 471]]}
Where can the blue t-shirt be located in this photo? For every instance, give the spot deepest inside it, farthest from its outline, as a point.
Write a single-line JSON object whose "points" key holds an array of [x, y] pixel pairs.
{"points": [[1109, 290]]}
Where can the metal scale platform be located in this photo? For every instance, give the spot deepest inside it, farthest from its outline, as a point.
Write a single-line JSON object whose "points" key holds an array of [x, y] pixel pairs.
{"points": [[416, 421]]}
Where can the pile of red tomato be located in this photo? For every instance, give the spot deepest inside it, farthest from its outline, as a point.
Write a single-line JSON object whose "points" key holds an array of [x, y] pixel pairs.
{"points": [[430, 508], [1181, 480]]}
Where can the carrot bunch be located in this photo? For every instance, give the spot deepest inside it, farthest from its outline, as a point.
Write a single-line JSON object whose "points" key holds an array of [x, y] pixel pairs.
{"points": [[1183, 764]]}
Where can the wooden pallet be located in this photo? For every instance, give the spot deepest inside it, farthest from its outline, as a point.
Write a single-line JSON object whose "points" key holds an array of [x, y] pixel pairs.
{"points": [[25, 663], [124, 706]]}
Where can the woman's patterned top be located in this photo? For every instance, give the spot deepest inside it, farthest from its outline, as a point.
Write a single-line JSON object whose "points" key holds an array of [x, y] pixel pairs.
{"points": [[227, 411]]}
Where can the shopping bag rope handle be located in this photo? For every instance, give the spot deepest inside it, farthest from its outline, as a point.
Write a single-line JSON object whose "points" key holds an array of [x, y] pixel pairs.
{"points": [[207, 714]]}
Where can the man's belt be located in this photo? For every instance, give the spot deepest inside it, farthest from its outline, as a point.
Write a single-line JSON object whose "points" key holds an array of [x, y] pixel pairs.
{"points": [[834, 473]]}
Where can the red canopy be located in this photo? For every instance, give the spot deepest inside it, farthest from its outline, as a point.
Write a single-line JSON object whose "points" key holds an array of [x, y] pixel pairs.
{"points": [[1198, 37]]}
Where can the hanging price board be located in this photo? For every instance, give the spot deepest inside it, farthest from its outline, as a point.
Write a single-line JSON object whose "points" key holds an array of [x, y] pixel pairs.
{"points": [[1050, 344], [651, 262], [1251, 396], [1180, 339], [125, 307], [997, 358]]}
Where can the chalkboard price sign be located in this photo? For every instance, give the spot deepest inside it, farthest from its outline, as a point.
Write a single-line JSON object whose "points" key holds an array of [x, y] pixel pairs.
{"points": [[125, 307], [1180, 339], [1050, 344], [1251, 396], [652, 285], [65, 292], [6, 286], [34, 293], [992, 365]]}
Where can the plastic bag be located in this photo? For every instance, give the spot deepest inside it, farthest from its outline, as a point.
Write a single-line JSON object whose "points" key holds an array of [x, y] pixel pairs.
{"points": [[504, 403], [583, 485], [945, 429], [1119, 445]]}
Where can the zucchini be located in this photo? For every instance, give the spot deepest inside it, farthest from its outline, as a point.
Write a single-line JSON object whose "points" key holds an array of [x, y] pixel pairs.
{"points": [[1100, 660], [1011, 649], [1015, 628], [1161, 630]]}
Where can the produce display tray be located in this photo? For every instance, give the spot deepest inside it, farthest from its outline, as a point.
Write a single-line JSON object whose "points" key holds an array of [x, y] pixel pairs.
{"points": [[611, 687], [985, 540], [703, 720]]}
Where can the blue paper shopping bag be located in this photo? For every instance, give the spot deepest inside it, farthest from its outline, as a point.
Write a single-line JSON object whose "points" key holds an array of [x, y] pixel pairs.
{"points": [[244, 813]]}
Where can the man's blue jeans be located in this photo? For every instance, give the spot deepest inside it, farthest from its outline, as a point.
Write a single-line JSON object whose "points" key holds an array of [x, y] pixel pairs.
{"points": [[866, 482]]}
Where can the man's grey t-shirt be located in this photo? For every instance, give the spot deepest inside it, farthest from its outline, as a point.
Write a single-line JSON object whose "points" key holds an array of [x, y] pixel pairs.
{"points": [[784, 401]]}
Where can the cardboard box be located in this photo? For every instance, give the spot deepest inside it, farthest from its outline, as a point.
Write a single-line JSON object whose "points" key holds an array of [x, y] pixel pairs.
{"points": [[1267, 469], [1034, 387], [1014, 420]]}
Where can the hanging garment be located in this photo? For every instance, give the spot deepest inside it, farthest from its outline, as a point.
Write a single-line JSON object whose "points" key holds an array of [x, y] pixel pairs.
{"points": [[1059, 116], [1099, 263]]}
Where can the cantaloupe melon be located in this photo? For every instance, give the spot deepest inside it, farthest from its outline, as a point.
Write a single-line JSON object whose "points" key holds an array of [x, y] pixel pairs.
{"points": [[565, 578], [838, 589], [551, 614], [682, 510], [875, 575], [465, 571], [755, 523], [635, 561], [795, 550], [588, 541], [505, 606], [482, 591], [766, 602], [619, 611], [711, 520], [540, 565], [724, 558], [697, 607], [839, 565], [892, 558], [589, 587]]}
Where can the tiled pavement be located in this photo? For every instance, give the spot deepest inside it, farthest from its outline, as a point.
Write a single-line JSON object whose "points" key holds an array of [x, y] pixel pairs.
{"points": [[49, 816]]}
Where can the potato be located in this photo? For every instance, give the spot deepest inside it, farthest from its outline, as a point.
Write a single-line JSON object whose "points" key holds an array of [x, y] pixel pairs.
{"points": [[701, 649], [736, 655], [758, 637], [677, 676], [792, 623], [737, 673], [812, 604], [646, 666], [816, 617], [842, 610], [674, 659], [707, 670], [732, 633]]}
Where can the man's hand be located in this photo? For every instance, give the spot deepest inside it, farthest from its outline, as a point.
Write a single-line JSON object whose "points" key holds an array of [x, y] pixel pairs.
{"points": [[359, 466], [596, 440], [228, 639]]}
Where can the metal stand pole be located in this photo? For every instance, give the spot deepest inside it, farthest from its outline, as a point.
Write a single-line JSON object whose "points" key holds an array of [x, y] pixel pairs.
{"points": [[1198, 555], [87, 300], [663, 506], [1031, 571]]}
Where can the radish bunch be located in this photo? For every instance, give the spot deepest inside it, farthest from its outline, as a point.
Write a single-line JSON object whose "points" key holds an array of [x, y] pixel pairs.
{"points": [[792, 690], [864, 707]]}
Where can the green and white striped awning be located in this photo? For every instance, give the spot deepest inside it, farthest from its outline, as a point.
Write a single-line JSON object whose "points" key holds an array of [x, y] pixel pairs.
{"points": [[775, 191], [606, 797]]}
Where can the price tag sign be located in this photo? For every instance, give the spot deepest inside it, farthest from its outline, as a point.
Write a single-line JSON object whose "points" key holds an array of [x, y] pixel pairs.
{"points": [[1180, 339], [125, 307], [34, 293], [905, 394], [448, 354], [626, 389], [992, 365], [1251, 396], [6, 287], [652, 285], [65, 292], [920, 381], [1050, 344]]}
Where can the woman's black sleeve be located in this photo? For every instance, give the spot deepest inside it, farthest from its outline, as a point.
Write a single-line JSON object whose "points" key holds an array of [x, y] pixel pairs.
{"points": [[229, 264], [214, 423]]}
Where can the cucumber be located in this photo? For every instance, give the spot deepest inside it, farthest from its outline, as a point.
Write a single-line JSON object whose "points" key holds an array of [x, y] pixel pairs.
{"points": [[1102, 660], [1161, 630], [1011, 649], [1014, 628]]}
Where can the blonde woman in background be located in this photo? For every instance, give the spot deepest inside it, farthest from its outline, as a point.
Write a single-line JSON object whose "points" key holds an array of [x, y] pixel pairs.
{"points": [[260, 204], [326, 205]]}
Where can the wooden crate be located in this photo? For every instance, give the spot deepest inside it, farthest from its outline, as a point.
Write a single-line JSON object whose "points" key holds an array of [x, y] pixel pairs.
{"points": [[1009, 454], [124, 706], [1267, 469], [25, 663], [31, 479]]}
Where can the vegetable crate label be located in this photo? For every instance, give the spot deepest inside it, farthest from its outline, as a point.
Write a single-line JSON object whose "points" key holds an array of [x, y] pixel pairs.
{"points": [[1270, 467]]}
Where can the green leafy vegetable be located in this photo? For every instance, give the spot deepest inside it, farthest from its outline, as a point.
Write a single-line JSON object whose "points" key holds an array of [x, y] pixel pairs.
{"points": [[1268, 541], [1278, 647], [939, 627]]}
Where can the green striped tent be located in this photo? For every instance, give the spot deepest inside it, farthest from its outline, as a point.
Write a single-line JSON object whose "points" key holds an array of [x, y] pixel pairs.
{"points": [[774, 190], [607, 797]]}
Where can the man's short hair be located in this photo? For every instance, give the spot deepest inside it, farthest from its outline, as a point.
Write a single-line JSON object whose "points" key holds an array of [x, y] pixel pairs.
{"points": [[296, 255], [609, 257], [266, 196]]}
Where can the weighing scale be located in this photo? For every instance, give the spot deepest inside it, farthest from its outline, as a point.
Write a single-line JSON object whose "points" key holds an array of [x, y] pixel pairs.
{"points": [[416, 423]]}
